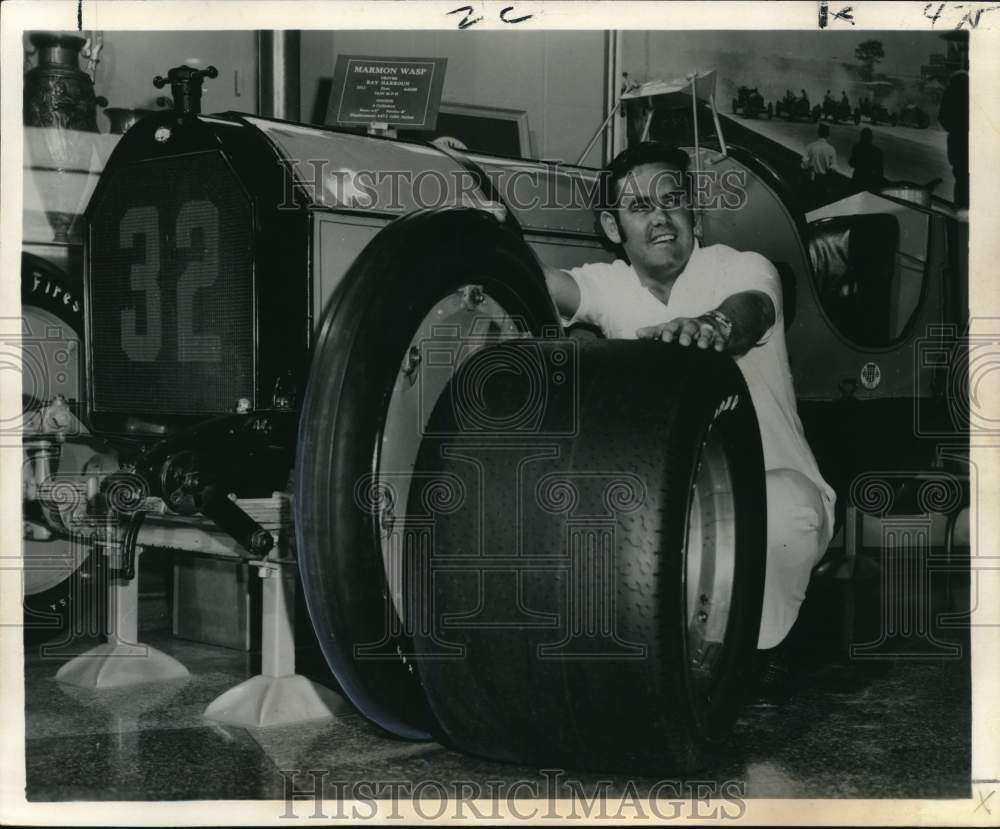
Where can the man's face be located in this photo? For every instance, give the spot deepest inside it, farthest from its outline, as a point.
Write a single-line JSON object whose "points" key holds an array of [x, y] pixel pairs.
{"points": [[654, 223]]}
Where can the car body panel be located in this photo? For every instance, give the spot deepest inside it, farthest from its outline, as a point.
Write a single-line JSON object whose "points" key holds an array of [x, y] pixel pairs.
{"points": [[823, 358]]}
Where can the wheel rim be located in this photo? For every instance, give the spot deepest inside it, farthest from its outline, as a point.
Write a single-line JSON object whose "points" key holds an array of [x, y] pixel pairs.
{"points": [[459, 324], [710, 563], [50, 366]]}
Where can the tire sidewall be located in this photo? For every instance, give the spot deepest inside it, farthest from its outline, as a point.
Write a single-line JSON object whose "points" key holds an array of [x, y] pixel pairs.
{"points": [[370, 323], [47, 286]]}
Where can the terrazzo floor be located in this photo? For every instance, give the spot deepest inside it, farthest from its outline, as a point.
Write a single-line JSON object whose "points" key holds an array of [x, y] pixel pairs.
{"points": [[881, 727]]}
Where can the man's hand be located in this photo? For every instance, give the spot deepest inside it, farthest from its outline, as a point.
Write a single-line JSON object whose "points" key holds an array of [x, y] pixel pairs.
{"points": [[735, 327], [702, 331]]}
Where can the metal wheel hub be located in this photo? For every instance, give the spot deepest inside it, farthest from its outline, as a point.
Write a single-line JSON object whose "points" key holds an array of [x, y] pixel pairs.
{"points": [[459, 324], [710, 561]]}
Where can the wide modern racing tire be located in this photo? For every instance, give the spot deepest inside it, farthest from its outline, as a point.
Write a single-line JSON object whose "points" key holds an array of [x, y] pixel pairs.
{"points": [[456, 274], [590, 594]]}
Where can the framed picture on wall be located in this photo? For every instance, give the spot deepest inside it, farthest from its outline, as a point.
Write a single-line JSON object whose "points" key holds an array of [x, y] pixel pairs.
{"points": [[481, 128]]}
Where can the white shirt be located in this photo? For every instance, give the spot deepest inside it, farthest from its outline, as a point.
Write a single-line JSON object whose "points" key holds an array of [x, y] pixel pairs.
{"points": [[820, 157], [613, 298]]}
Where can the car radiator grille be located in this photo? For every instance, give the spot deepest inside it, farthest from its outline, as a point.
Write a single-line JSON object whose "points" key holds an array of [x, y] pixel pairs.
{"points": [[171, 295]]}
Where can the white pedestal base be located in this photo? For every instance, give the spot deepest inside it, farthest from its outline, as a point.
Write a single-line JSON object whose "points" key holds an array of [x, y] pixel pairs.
{"points": [[116, 664], [263, 701], [277, 695]]}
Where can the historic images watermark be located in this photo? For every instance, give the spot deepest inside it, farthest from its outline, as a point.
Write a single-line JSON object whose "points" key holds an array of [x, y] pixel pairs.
{"points": [[314, 794], [502, 415], [544, 186]]}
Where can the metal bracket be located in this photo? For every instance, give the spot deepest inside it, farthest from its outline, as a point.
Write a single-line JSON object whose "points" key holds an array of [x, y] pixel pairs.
{"points": [[234, 521], [128, 549]]}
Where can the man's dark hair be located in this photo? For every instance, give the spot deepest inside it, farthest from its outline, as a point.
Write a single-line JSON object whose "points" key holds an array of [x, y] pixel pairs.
{"points": [[866, 136], [610, 178], [645, 152], [823, 131]]}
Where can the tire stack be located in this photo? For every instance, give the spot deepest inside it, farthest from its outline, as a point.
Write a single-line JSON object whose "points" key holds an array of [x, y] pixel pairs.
{"points": [[550, 606]]}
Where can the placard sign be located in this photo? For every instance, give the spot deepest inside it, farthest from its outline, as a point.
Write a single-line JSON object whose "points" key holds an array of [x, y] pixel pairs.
{"points": [[400, 92]]}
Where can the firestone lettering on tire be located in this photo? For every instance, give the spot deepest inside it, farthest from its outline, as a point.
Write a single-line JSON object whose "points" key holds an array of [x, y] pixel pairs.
{"points": [[726, 405]]}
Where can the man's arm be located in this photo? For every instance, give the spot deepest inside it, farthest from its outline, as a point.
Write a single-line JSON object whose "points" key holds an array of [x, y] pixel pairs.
{"points": [[734, 327], [562, 287], [564, 290]]}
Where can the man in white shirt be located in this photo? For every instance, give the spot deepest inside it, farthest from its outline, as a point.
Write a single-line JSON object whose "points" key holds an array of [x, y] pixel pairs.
{"points": [[673, 289], [820, 162]]}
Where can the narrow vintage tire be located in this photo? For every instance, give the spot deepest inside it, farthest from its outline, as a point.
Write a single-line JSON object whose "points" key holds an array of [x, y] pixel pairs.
{"points": [[395, 283], [47, 286], [51, 302], [610, 467], [50, 299]]}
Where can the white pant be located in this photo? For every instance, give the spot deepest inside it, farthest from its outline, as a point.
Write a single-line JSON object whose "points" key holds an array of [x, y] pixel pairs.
{"points": [[797, 537]]}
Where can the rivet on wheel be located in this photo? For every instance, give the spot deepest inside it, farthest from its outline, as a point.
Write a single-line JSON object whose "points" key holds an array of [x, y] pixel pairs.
{"points": [[472, 296], [388, 520]]}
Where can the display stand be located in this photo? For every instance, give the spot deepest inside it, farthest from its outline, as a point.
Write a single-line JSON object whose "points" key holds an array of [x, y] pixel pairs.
{"points": [[122, 660], [381, 128], [277, 695]]}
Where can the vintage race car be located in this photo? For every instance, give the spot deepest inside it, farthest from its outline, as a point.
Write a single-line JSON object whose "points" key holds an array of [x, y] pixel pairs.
{"points": [[912, 115], [875, 111], [836, 111], [794, 107], [750, 103], [362, 324]]}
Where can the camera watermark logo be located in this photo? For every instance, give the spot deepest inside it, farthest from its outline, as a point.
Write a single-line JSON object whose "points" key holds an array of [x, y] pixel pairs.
{"points": [[960, 370], [75, 526], [495, 385], [46, 354]]}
